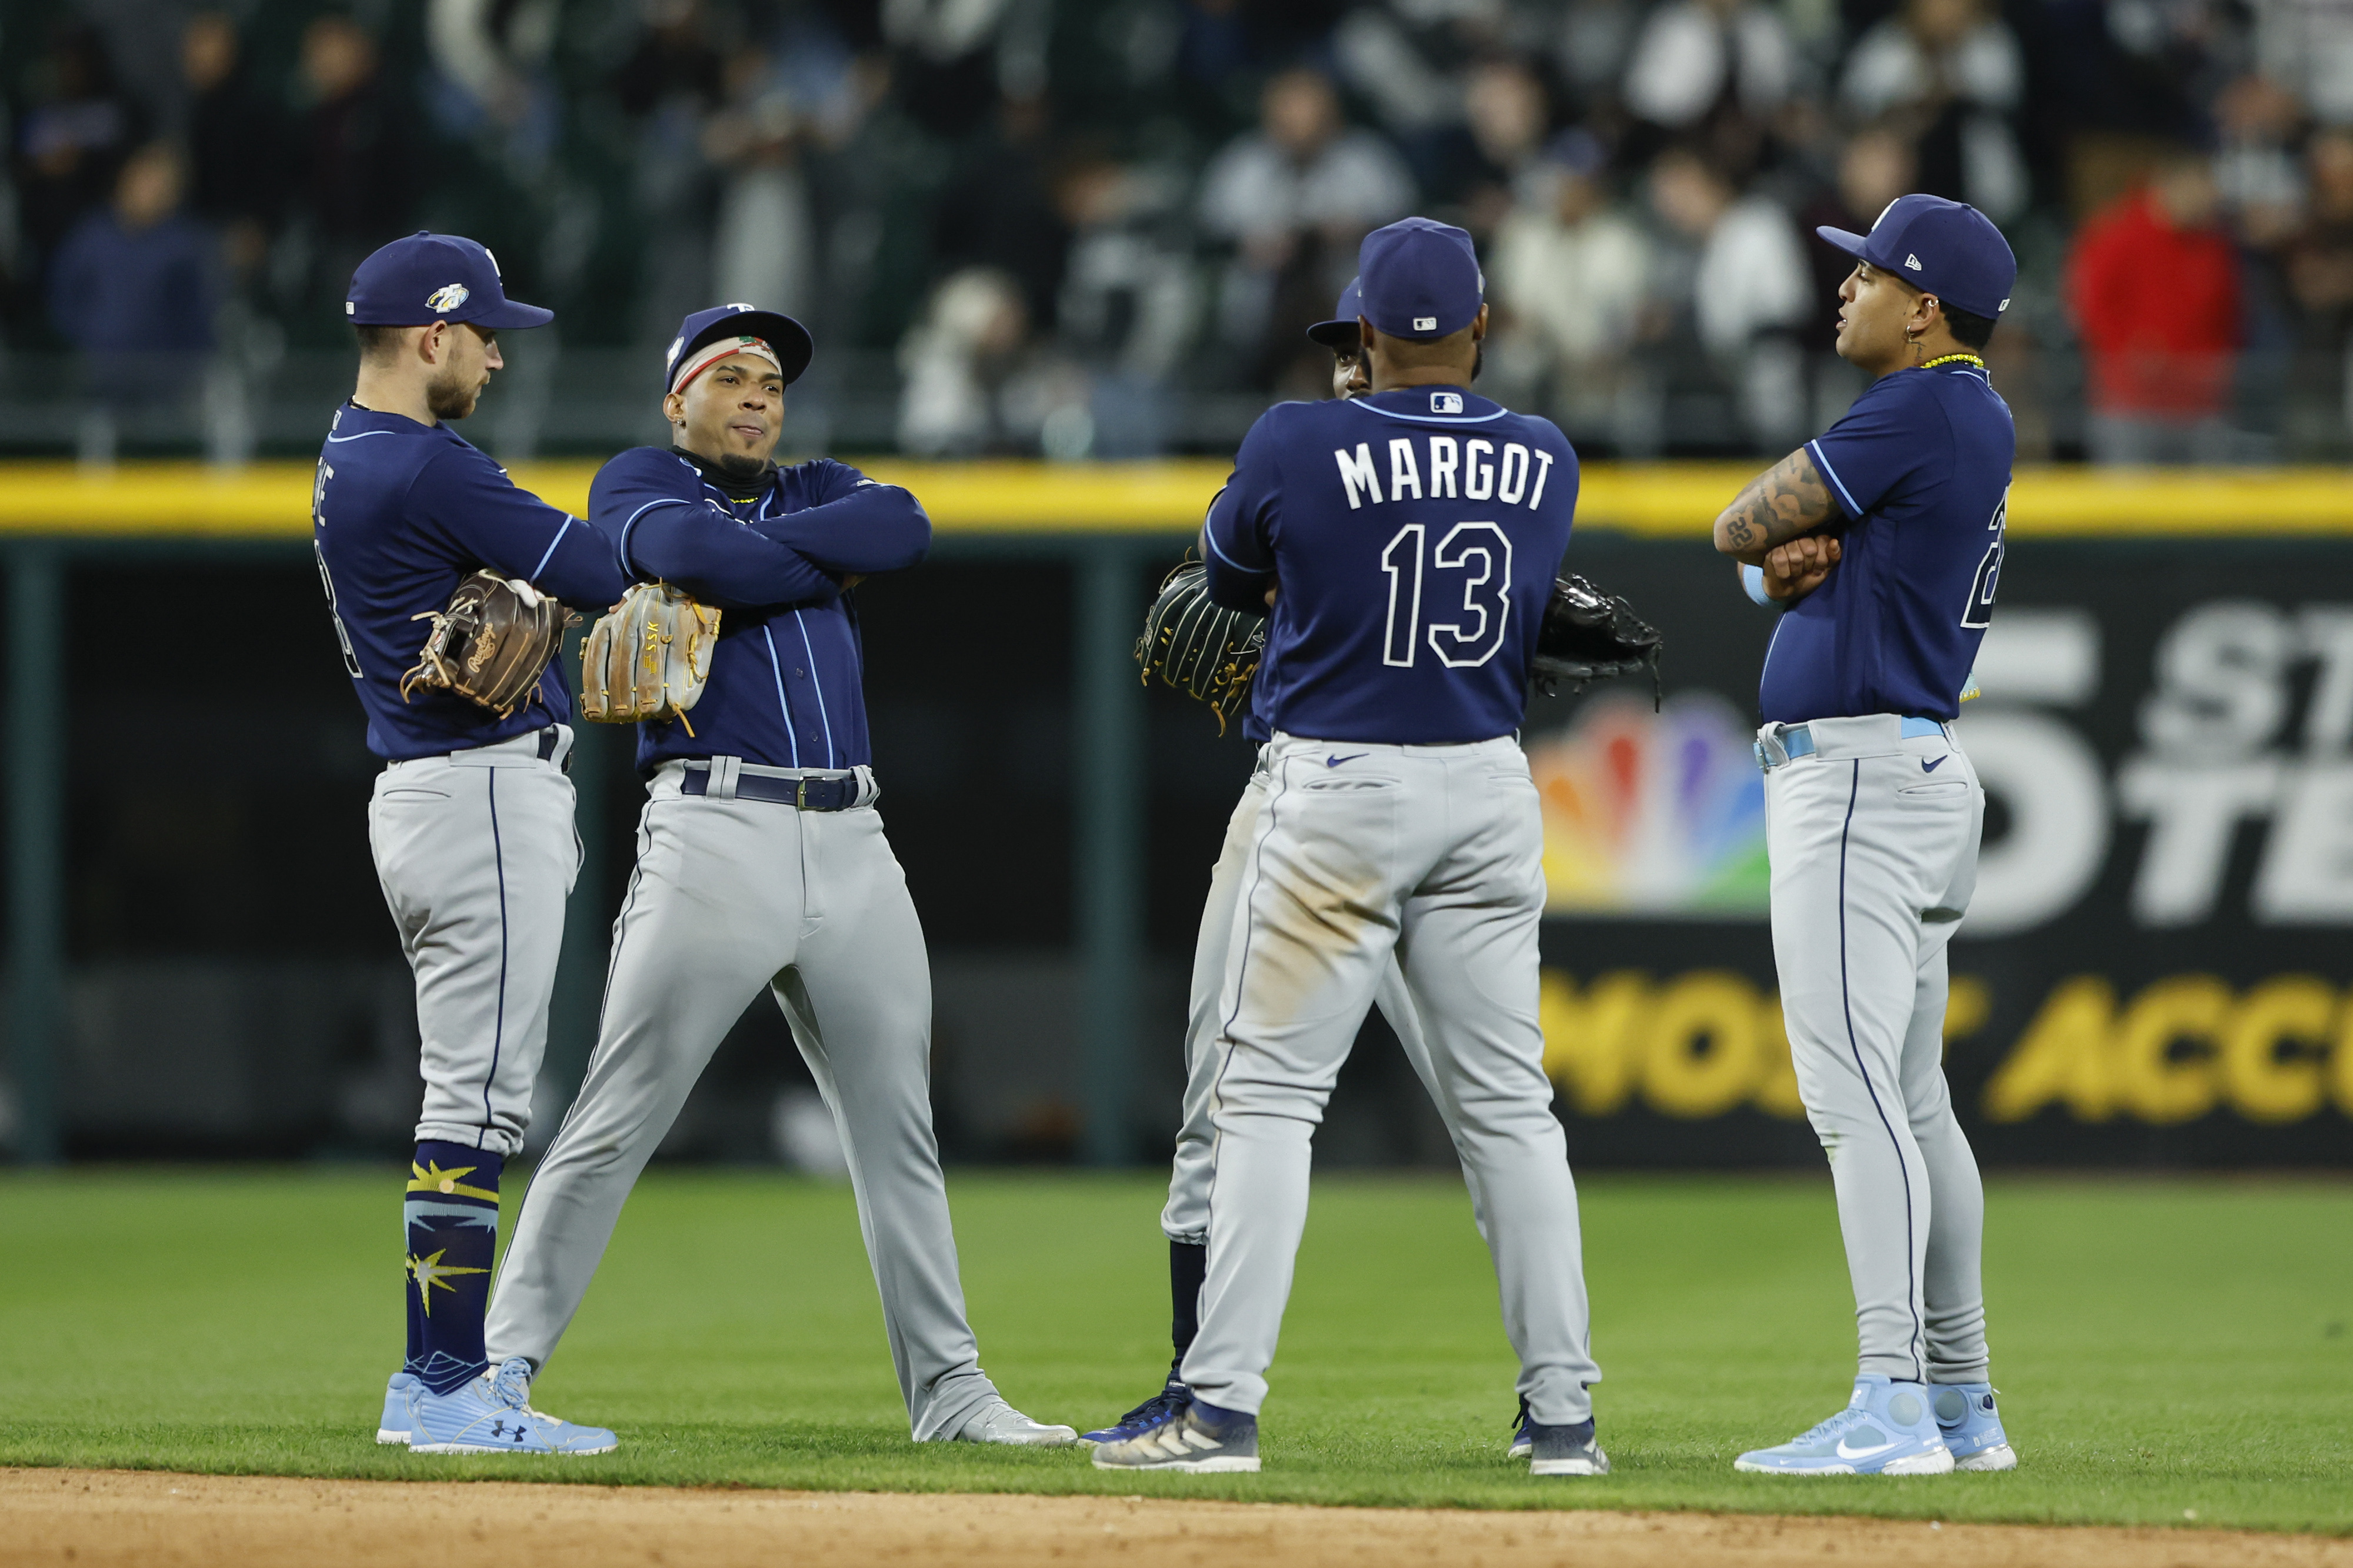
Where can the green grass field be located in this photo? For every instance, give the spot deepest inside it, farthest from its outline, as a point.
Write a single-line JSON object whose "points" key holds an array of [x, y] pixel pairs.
{"points": [[2162, 1347]]}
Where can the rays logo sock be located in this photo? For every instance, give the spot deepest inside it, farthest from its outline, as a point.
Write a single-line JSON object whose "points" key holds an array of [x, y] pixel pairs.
{"points": [[451, 1220]]}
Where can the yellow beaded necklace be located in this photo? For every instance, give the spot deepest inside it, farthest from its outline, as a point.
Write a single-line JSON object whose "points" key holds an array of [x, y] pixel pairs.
{"points": [[1954, 359]]}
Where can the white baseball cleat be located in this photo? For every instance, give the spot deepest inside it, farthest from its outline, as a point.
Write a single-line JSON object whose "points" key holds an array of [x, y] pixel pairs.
{"points": [[999, 1422]]}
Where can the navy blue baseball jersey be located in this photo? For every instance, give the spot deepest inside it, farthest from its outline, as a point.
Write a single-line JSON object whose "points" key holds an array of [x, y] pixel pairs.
{"points": [[786, 687], [403, 512], [1920, 466], [1415, 533]]}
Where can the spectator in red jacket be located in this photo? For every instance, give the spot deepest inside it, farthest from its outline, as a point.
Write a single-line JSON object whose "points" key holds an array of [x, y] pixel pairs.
{"points": [[2154, 287]]}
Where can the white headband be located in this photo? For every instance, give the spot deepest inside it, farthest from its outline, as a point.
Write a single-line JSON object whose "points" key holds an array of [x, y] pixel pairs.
{"points": [[723, 348]]}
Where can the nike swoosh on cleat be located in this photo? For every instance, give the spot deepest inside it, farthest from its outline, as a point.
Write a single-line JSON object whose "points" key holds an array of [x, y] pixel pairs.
{"points": [[1846, 1453], [1336, 761], [1932, 767]]}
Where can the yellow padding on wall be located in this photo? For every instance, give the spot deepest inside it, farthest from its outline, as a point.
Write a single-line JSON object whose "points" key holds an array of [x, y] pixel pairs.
{"points": [[1660, 501]]}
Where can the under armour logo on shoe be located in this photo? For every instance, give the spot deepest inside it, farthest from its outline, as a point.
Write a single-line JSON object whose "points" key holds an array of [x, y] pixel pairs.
{"points": [[1913, 262]]}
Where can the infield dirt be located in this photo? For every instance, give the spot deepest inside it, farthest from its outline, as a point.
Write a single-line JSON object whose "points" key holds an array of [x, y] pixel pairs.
{"points": [[158, 1519]]}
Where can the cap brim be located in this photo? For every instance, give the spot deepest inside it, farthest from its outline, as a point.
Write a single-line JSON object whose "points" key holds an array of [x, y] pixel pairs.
{"points": [[512, 315], [1336, 335], [794, 346], [1852, 244]]}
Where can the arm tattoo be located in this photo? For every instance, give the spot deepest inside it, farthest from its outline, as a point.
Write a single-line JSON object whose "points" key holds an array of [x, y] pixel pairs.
{"points": [[1784, 501]]}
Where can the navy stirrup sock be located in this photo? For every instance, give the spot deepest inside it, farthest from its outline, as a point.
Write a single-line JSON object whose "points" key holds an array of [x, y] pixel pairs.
{"points": [[1188, 1269], [450, 1219]]}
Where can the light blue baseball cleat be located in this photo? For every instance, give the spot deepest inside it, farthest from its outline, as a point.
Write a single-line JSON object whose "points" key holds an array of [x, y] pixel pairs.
{"points": [[491, 1414], [394, 1424], [1972, 1426], [1886, 1429]]}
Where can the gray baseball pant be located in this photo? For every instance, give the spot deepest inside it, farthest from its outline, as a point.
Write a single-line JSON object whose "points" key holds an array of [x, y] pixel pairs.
{"points": [[1873, 841], [1431, 853], [476, 852], [730, 896], [1186, 1217]]}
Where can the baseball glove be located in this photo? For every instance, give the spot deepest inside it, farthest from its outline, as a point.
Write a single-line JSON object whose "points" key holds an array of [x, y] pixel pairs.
{"points": [[1199, 647], [647, 658], [1589, 634], [491, 643]]}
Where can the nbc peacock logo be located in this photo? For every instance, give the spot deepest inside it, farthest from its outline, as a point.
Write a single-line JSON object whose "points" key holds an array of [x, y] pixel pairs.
{"points": [[1652, 814]]}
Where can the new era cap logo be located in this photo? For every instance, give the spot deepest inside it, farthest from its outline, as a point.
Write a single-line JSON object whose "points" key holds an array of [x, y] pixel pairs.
{"points": [[447, 298], [1445, 402], [1913, 262], [1425, 323]]}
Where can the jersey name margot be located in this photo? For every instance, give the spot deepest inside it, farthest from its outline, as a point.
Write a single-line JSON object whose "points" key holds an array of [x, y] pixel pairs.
{"points": [[1510, 473]]}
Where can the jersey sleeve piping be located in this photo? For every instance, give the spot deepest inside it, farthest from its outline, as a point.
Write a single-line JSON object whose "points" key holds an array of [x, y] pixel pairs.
{"points": [[1210, 535], [561, 529], [1852, 510], [627, 565]]}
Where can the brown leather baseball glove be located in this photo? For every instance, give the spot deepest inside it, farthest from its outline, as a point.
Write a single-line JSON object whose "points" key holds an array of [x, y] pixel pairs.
{"points": [[491, 643]]}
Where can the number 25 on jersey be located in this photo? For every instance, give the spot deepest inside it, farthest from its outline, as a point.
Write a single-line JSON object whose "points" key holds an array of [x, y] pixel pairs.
{"points": [[1988, 581], [1467, 582]]}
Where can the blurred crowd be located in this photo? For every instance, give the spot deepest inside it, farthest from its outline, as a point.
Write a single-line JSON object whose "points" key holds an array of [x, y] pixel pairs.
{"points": [[1070, 227]]}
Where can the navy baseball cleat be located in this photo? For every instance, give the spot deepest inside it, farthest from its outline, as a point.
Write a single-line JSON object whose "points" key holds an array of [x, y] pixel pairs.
{"points": [[1886, 1429], [491, 1414], [1199, 1439], [1571, 1450], [1523, 1440], [1171, 1399], [394, 1424], [1972, 1426]]}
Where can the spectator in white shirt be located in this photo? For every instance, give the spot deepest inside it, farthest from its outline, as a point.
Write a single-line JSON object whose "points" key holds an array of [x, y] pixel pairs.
{"points": [[1569, 276], [1956, 70], [1293, 198], [1694, 54], [1748, 292]]}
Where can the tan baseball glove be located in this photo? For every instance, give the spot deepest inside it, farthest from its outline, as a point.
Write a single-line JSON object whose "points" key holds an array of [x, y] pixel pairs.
{"points": [[491, 643], [648, 659]]}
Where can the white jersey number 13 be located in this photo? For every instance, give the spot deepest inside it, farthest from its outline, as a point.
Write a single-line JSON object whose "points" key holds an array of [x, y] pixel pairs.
{"points": [[1481, 554]]}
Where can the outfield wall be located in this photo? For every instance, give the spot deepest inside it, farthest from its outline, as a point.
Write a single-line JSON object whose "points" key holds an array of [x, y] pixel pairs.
{"points": [[2155, 971]]}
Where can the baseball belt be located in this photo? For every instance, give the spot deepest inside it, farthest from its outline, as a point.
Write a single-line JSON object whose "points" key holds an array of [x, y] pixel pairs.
{"points": [[800, 794], [1791, 742]]}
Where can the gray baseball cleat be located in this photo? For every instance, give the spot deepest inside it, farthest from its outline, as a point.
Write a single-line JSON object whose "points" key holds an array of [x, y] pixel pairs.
{"points": [[1572, 1450], [997, 1422]]}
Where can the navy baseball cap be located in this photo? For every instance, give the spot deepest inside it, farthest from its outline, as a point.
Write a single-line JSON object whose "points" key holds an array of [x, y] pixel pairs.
{"points": [[1340, 333], [1946, 248], [430, 277], [786, 338], [1420, 278]]}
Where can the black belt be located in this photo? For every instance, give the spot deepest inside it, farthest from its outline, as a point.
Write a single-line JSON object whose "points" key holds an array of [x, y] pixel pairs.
{"points": [[549, 738], [805, 795]]}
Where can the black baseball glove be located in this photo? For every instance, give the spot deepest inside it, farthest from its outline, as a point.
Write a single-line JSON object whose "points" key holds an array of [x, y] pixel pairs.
{"points": [[1200, 647], [1589, 634]]}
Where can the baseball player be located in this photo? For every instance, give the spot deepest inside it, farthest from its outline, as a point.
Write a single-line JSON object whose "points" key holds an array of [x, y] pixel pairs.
{"points": [[1883, 537], [762, 864], [470, 821], [1186, 1219], [1414, 533]]}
